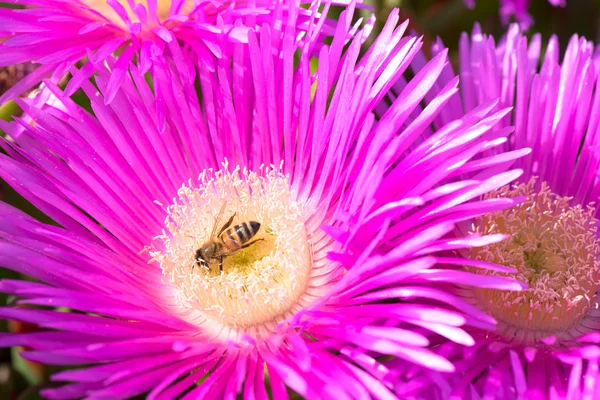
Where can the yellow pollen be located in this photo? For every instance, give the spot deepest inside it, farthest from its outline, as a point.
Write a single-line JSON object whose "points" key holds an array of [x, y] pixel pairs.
{"points": [[259, 284], [163, 8], [555, 249]]}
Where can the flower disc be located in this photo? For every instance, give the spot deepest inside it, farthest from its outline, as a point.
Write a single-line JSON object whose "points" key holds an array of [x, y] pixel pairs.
{"points": [[555, 249], [258, 284]]}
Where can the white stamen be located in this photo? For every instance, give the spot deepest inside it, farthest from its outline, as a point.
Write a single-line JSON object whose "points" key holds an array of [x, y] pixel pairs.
{"points": [[259, 284]]}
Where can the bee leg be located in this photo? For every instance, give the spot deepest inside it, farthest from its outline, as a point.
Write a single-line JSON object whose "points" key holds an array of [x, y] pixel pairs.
{"points": [[221, 264], [199, 263], [252, 242]]}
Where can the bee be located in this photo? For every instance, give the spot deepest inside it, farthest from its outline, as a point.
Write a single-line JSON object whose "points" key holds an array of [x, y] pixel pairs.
{"points": [[229, 240]]}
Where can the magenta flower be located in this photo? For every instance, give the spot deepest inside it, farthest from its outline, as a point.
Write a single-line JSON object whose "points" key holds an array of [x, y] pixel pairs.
{"points": [[354, 190], [545, 345], [58, 33], [517, 10]]}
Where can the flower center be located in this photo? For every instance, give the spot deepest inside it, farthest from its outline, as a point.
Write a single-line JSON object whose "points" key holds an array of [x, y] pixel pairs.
{"points": [[235, 247], [555, 249], [162, 9]]}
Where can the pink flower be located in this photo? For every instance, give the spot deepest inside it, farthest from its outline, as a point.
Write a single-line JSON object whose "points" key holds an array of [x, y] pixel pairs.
{"points": [[58, 33], [354, 187], [545, 345]]}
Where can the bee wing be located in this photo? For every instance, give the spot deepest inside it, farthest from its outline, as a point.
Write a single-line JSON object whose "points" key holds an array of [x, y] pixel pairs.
{"points": [[218, 217]]}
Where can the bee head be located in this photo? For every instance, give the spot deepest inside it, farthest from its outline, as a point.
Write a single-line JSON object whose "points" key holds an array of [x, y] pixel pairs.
{"points": [[206, 251]]}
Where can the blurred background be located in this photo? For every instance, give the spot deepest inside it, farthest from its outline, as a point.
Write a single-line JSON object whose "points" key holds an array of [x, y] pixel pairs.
{"points": [[448, 18], [20, 379]]}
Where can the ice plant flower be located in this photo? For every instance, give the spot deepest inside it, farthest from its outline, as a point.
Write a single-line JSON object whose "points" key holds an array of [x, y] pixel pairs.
{"points": [[517, 10], [353, 190], [546, 341], [58, 33]]}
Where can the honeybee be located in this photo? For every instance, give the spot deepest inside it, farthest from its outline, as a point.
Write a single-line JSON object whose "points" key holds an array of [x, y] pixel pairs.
{"points": [[229, 240]]}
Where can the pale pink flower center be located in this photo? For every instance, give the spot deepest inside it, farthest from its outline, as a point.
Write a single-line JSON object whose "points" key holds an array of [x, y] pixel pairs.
{"points": [[555, 249]]}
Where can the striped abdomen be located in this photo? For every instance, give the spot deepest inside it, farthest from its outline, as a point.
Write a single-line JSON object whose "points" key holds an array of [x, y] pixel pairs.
{"points": [[236, 236]]}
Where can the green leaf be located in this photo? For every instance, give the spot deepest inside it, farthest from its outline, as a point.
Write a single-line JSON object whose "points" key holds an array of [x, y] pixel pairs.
{"points": [[25, 368]]}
